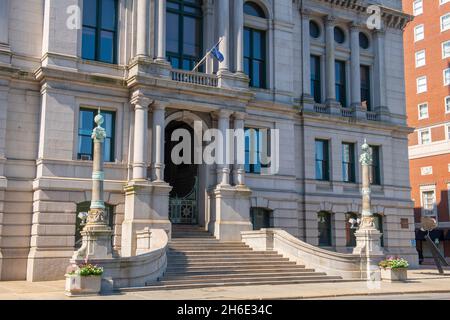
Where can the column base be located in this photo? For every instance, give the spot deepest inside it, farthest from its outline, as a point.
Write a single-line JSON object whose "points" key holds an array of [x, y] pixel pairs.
{"points": [[232, 212], [334, 106], [146, 206], [368, 248], [97, 243]]}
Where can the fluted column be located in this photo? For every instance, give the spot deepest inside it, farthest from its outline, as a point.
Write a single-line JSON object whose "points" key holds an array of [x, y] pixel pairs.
{"points": [[161, 30], [239, 34], [379, 71], [159, 118], [4, 22], [306, 53], [223, 169], [239, 168], [355, 66], [223, 18], [142, 27], [330, 59], [140, 136]]}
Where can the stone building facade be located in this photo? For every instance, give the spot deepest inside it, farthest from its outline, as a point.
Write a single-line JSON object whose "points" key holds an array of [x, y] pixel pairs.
{"points": [[311, 69]]}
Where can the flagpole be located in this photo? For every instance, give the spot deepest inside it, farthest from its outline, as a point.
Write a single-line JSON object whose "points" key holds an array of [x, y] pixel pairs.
{"points": [[207, 54]]}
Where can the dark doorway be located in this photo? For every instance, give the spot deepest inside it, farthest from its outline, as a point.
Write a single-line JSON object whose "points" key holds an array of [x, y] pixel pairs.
{"points": [[183, 199]]}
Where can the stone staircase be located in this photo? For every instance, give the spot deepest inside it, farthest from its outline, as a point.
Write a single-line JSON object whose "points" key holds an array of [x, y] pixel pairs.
{"points": [[197, 260]]}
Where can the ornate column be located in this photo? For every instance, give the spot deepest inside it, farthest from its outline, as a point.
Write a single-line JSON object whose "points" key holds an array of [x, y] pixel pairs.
{"points": [[4, 23], [379, 76], [330, 60], [223, 17], [367, 236], [142, 27], [159, 118], [140, 136], [306, 56], [223, 170], [239, 34], [355, 66], [239, 168], [96, 234], [161, 31]]}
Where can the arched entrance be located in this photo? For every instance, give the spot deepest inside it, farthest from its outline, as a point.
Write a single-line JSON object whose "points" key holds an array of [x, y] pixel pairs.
{"points": [[184, 178]]}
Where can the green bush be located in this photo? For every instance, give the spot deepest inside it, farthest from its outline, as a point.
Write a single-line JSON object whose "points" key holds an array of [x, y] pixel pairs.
{"points": [[394, 263], [86, 270]]}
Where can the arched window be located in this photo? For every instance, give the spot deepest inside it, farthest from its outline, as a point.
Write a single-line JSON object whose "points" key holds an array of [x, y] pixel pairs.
{"points": [[314, 29], [99, 41], [255, 48], [339, 35], [378, 220], [261, 218], [363, 41], [350, 229], [84, 207], [324, 227], [184, 33]]}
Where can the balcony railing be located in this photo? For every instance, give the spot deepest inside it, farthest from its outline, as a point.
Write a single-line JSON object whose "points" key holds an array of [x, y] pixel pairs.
{"points": [[321, 108], [347, 112], [198, 78], [372, 116]]}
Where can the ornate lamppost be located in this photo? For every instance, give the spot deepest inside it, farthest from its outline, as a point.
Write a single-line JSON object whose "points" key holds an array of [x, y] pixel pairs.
{"points": [[96, 232]]}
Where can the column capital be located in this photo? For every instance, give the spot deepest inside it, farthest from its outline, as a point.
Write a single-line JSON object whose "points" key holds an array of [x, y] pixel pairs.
{"points": [[159, 105], [305, 12], [355, 26], [239, 115], [139, 100], [223, 113], [330, 21]]}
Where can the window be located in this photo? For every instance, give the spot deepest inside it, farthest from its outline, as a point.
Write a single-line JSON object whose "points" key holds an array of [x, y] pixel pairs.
{"points": [[420, 58], [375, 170], [445, 22], [350, 229], [424, 136], [348, 162], [255, 57], [99, 40], [252, 9], [363, 41], [316, 89], [339, 35], [428, 202], [184, 33], [84, 208], [322, 163], [445, 49], [324, 227], [423, 111], [447, 127], [418, 7], [261, 218], [447, 104], [341, 91], [314, 29], [85, 126], [365, 88], [446, 77], [421, 84], [255, 157], [443, 1], [419, 32]]}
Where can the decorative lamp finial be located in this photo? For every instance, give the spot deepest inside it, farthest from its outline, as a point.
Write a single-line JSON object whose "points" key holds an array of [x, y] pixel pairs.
{"points": [[99, 119]]}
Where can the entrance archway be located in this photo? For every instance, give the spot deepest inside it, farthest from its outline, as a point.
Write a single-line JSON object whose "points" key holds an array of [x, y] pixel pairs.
{"points": [[184, 179]]}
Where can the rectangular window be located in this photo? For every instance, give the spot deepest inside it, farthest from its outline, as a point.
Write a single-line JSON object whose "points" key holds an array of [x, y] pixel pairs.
{"points": [[340, 83], [255, 157], [420, 58], [255, 57], [428, 202], [445, 22], [423, 111], [375, 172], [418, 7], [419, 32], [322, 160], [365, 88], [445, 49], [348, 162], [446, 77], [99, 35], [421, 84], [424, 136], [447, 104], [447, 129], [324, 227], [316, 88], [85, 126]]}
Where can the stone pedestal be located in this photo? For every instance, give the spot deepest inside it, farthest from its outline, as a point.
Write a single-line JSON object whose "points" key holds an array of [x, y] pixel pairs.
{"points": [[96, 244], [368, 248], [146, 206], [232, 80], [231, 212]]}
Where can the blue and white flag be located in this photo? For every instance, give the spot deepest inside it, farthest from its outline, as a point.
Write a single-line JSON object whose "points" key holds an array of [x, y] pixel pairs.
{"points": [[215, 52]]}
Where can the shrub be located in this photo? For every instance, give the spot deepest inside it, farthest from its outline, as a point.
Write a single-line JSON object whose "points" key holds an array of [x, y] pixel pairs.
{"points": [[86, 270], [394, 263]]}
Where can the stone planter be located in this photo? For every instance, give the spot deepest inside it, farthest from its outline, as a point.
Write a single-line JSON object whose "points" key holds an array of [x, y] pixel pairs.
{"points": [[392, 275], [79, 286]]}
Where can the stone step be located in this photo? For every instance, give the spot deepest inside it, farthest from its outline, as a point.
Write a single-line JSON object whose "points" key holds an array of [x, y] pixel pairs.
{"points": [[238, 274], [207, 247], [235, 269], [222, 260], [158, 286], [228, 263], [249, 254], [227, 258], [210, 252]]}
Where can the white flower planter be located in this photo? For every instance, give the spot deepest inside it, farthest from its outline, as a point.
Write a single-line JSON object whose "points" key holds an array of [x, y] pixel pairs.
{"points": [[77, 285], [392, 275]]}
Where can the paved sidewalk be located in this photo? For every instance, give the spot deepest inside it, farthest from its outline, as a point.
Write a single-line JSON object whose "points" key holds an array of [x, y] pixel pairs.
{"points": [[420, 281]]}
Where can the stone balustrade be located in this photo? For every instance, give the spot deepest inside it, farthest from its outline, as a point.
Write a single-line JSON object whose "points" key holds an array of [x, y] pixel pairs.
{"points": [[198, 78]]}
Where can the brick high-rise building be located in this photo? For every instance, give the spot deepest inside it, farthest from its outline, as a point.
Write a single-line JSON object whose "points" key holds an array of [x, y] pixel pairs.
{"points": [[427, 75]]}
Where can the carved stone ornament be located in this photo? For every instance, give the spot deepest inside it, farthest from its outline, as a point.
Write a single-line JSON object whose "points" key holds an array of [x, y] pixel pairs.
{"points": [[366, 157]]}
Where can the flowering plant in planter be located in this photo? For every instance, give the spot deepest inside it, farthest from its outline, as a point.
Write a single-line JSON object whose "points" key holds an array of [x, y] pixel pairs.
{"points": [[394, 263], [86, 270], [83, 279]]}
